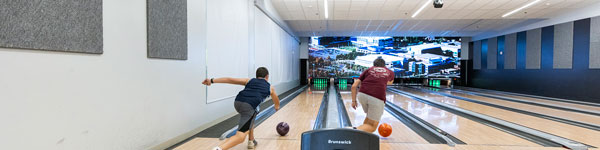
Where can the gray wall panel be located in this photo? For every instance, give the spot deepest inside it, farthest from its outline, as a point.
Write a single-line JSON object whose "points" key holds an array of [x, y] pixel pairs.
{"points": [[510, 51], [477, 55], [563, 46], [595, 43], [533, 54], [54, 25], [464, 46], [492, 58], [167, 29]]}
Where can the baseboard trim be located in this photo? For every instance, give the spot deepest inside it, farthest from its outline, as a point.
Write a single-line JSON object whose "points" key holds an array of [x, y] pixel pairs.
{"points": [[189, 134]]}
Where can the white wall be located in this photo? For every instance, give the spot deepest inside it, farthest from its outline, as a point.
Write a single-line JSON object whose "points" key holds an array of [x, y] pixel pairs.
{"points": [[576, 14], [276, 50], [121, 100]]}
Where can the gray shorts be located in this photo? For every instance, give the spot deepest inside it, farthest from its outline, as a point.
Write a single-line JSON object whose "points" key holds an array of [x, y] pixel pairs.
{"points": [[247, 115], [371, 105]]}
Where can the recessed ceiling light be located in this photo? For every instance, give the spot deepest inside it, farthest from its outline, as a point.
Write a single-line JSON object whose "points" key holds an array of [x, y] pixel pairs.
{"points": [[421, 9], [520, 8], [326, 10]]}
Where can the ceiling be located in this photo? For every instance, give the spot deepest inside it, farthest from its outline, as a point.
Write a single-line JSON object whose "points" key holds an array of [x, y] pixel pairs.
{"points": [[393, 17]]}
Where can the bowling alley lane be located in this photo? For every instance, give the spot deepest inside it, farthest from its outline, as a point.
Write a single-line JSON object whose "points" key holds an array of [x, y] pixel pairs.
{"points": [[582, 107], [400, 133], [532, 108], [265, 144], [470, 132], [579, 134], [300, 114]]}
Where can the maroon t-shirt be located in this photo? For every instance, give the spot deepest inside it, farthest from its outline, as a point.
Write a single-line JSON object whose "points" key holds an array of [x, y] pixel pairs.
{"points": [[374, 81]]}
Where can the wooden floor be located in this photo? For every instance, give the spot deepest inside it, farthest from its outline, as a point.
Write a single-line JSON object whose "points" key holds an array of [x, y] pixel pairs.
{"points": [[584, 135], [266, 144], [301, 112]]}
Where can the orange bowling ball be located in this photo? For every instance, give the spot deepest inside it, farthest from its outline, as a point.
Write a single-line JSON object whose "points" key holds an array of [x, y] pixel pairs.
{"points": [[385, 129]]}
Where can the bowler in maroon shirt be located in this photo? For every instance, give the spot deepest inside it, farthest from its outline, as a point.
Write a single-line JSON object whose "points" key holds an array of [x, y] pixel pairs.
{"points": [[373, 84]]}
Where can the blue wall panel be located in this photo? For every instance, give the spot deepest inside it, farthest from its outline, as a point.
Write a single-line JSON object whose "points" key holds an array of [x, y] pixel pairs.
{"points": [[484, 49], [581, 44], [492, 53], [500, 54], [547, 47]]}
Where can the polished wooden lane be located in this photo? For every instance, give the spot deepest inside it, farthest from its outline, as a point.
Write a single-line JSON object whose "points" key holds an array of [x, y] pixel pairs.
{"points": [[579, 134], [264, 144], [208, 143], [400, 132], [471, 132], [300, 114], [413, 146], [533, 108], [582, 107]]}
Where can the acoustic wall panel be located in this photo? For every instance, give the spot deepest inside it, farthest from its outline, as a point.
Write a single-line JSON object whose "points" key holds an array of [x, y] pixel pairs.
{"points": [[563, 46], [56, 25], [595, 43], [533, 52], [167, 29], [477, 55], [492, 52], [510, 51], [521, 49]]}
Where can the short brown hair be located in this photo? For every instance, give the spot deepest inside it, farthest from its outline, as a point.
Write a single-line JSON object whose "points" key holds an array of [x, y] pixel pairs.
{"points": [[379, 62], [262, 72]]}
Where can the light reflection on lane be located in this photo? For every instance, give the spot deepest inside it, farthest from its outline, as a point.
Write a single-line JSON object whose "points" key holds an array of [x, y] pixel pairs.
{"points": [[441, 119]]}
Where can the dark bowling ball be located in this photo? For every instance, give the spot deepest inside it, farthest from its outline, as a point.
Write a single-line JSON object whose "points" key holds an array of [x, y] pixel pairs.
{"points": [[283, 128]]}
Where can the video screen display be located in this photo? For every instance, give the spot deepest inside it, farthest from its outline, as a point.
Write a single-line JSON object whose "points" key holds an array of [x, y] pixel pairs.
{"points": [[408, 57]]}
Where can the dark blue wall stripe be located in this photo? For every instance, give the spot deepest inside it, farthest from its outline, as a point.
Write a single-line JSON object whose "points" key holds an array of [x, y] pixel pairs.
{"points": [[500, 54], [521, 49], [484, 50], [581, 44], [547, 47]]}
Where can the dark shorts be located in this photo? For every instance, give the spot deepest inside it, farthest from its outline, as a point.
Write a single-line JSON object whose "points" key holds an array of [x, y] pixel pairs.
{"points": [[247, 115]]}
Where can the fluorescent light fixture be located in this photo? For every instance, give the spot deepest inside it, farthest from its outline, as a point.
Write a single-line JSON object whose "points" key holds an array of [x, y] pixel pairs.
{"points": [[520, 8], [421, 9], [326, 10]]}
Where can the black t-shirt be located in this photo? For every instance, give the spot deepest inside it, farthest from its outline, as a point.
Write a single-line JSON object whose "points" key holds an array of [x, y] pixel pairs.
{"points": [[255, 91]]}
